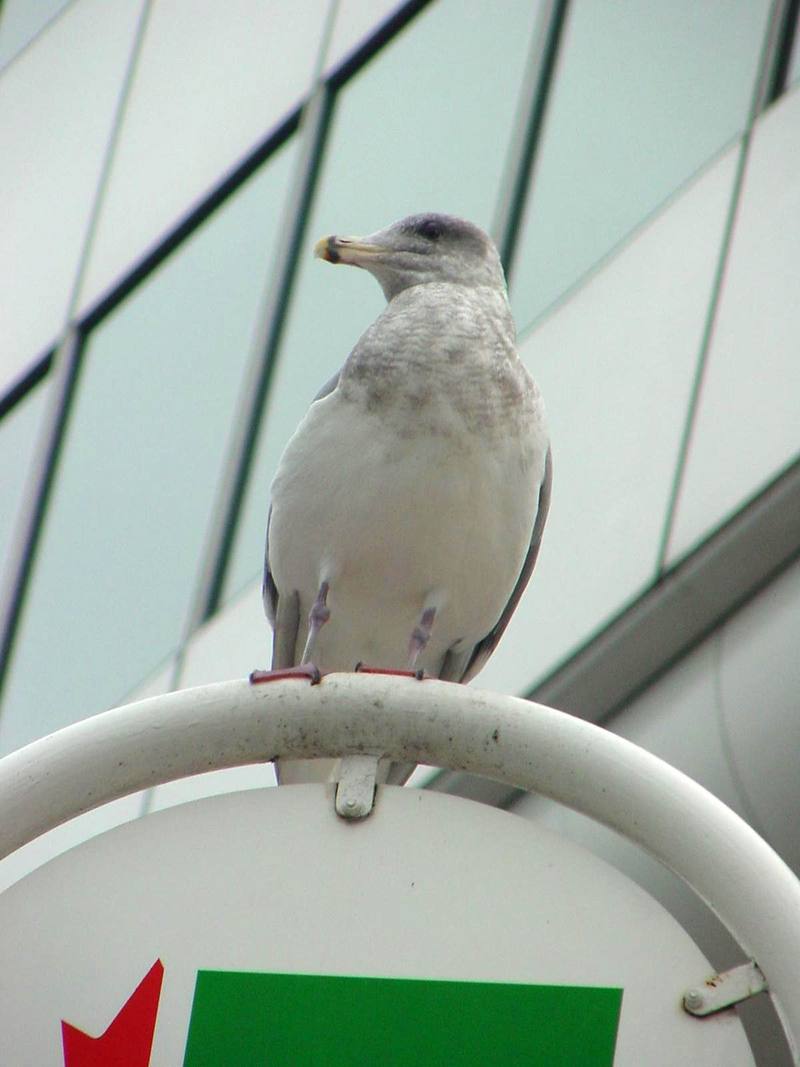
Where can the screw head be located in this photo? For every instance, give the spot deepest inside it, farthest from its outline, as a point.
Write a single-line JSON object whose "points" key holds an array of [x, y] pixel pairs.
{"points": [[694, 1000]]}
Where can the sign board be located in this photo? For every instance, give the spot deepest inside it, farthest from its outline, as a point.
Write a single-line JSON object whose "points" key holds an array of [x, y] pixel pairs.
{"points": [[258, 928]]}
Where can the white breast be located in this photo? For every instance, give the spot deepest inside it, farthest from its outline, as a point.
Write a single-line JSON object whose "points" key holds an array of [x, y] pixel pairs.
{"points": [[396, 522]]}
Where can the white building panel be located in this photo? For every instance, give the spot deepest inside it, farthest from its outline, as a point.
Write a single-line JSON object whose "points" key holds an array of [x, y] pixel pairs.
{"points": [[616, 364], [212, 80], [747, 426], [57, 105]]}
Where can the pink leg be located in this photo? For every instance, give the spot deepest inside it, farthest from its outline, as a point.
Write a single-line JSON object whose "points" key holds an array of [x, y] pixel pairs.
{"points": [[317, 617], [420, 635]]}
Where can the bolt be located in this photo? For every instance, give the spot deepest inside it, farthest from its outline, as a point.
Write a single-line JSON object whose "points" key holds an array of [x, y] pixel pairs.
{"points": [[350, 802], [694, 1000]]}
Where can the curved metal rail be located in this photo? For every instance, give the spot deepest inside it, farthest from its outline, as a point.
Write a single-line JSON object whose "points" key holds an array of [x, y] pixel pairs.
{"points": [[514, 741]]}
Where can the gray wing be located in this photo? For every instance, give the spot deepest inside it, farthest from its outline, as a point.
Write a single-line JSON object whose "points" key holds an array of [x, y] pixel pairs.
{"points": [[328, 387], [269, 591], [460, 667], [283, 611]]}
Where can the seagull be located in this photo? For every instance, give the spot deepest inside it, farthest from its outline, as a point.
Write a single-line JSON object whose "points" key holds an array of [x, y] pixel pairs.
{"points": [[408, 508]]}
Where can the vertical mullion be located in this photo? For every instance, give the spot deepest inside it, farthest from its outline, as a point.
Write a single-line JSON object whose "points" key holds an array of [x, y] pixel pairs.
{"points": [[529, 126], [312, 133], [272, 319], [63, 374], [764, 82]]}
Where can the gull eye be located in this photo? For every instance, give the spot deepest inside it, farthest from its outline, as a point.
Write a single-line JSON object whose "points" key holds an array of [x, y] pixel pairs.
{"points": [[430, 229]]}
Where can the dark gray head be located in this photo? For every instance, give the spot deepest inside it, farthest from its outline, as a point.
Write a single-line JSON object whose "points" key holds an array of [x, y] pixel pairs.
{"points": [[420, 249]]}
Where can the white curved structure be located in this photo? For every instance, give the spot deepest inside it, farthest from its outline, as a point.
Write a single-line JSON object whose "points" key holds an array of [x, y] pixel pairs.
{"points": [[523, 744]]}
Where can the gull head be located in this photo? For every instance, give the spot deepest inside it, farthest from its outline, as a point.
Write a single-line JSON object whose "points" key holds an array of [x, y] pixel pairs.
{"points": [[418, 250]]}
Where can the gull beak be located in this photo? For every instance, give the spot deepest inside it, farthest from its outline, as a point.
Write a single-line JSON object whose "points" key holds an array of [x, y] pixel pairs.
{"points": [[354, 250]]}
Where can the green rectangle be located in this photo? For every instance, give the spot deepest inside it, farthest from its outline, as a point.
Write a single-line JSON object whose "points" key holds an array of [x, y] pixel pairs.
{"points": [[304, 1020]]}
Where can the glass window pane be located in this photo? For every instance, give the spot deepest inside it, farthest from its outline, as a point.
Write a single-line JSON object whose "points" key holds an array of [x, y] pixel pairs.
{"points": [[212, 80], [19, 429], [644, 95], [746, 424], [141, 464], [616, 364], [443, 149], [57, 105], [230, 644], [20, 21]]}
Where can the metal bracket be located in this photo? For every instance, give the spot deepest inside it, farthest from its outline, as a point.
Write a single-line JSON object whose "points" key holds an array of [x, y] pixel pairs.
{"points": [[724, 990], [355, 792]]}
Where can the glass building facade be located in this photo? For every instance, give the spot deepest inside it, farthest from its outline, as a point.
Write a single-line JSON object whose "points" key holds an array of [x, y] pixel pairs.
{"points": [[168, 166]]}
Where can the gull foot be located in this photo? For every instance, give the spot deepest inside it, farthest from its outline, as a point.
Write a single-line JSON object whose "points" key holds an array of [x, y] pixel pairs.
{"points": [[302, 670], [360, 668]]}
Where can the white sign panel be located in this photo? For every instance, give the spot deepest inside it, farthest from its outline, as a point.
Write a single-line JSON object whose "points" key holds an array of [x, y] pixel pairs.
{"points": [[259, 928]]}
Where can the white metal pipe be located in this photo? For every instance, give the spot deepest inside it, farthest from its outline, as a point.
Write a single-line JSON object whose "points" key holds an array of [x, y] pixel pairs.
{"points": [[514, 741]]}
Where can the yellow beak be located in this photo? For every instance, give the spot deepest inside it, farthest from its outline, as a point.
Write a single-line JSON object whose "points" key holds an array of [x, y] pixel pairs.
{"points": [[345, 249]]}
